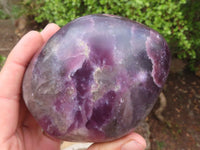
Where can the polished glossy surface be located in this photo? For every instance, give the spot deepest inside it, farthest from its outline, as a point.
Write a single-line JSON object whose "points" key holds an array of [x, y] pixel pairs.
{"points": [[96, 78]]}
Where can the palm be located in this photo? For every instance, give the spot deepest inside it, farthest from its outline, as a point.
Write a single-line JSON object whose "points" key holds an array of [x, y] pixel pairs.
{"points": [[18, 129], [29, 135]]}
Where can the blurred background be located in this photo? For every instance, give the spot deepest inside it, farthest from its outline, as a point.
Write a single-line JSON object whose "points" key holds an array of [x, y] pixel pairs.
{"points": [[174, 122]]}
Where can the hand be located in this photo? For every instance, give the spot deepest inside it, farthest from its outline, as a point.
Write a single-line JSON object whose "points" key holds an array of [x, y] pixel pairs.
{"points": [[18, 129], [132, 141]]}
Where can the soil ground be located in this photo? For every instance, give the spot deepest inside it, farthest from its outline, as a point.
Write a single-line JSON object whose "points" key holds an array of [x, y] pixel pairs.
{"points": [[181, 130], [8, 38], [182, 115]]}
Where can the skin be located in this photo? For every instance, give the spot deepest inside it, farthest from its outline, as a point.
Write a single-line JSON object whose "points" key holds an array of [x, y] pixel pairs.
{"points": [[18, 129]]}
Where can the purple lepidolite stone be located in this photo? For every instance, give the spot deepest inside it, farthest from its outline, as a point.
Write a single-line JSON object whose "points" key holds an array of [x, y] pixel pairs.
{"points": [[96, 78]]}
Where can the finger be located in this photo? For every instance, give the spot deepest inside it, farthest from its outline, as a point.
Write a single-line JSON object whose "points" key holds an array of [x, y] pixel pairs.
{"points": [[49, 30], [132, 141], [17, 61], [11, 78], [26, 118]]}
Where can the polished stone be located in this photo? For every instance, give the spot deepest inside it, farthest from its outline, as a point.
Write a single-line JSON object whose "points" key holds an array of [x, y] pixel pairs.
{"points": [[96, 78]]}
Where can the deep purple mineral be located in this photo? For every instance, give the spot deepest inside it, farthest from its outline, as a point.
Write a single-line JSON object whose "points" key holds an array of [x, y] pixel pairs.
{"points": [[96, 78]]}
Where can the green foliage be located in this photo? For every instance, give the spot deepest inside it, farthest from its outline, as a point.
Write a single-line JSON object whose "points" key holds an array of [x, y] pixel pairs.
{"points": [[2, 60], [3, 15], [191, 12], [177, 20], [14, 11], [17, 11], [160, 145]]}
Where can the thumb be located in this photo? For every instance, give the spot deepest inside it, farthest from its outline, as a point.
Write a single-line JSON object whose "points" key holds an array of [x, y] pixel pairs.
{"points": [[132, 141]]}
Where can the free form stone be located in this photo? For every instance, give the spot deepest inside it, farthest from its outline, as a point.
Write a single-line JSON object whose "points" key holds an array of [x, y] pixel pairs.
{"points": [[96, 78]]}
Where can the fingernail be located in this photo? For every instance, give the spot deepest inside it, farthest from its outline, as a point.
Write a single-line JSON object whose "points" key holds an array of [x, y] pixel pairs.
{"points": [[132, 145]]}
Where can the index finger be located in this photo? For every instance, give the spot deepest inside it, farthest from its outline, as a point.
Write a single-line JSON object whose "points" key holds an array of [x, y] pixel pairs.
{"points": [[12, 73], [11, 77]]}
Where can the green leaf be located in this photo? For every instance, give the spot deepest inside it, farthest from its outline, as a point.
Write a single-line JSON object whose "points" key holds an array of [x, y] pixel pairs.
{"points": [[177, 21]]}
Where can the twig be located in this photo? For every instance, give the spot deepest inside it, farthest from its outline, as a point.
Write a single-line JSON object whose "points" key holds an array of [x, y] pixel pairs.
{"points": [[4, 49], [163, 104]]}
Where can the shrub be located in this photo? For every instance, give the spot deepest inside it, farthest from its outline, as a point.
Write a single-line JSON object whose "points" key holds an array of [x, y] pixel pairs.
{"points": [[191, 12], [169, 17], [10, 9], [2, 60], [3, 15]]}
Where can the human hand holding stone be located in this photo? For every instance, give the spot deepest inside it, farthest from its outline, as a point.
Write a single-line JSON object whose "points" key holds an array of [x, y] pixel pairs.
{"points": [[18, 129]]}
